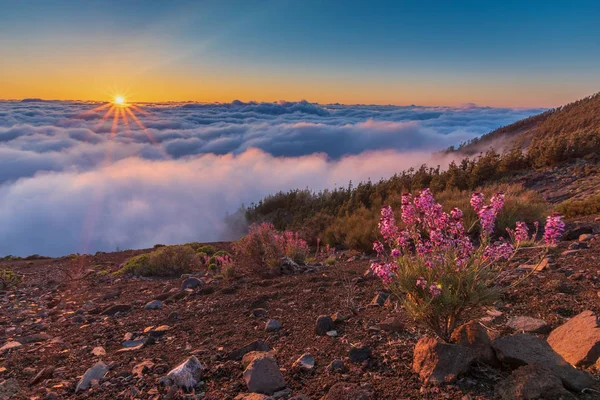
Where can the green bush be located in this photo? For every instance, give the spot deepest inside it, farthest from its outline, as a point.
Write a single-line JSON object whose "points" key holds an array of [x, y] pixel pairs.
{"points": [[355, 231], [576, 208], [8, 279], [202, 248], [165, 261], [330, 261]]}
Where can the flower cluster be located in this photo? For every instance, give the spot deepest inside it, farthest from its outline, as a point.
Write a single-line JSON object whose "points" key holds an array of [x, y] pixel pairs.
{"points": [[433, 265], [554, 229]]}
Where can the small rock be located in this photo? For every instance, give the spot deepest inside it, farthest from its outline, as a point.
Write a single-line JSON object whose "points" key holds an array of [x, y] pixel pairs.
{"points": [[474, 336], [154, 305], [338, 317], [186, 375], [348, 391], [112, 294], [10, 346], [173, 316], [528, 324], [95, 373], [533, 381], [359, 354], [159, 331], [586, 237], [305, 363], [578, 246], [99, 351], [142, 368], [117, 308], [392, 325], [258, 312], [331, 333], [192, 283], [578, 339], [324, 324], [252, 396], [337, 366], [35, 338], [272, 325], [379, 300], [438, 362], [262, 375], [45, 373], [257, 345], [9, 388]]}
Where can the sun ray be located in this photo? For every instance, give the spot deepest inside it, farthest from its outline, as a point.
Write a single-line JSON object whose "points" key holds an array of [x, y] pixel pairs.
{"points": [[125, 121], [148, 134]]}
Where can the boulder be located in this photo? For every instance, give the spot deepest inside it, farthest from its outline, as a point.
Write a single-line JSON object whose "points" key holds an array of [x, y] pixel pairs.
{"points": [[437, 362], [474, 336], [257, 345], [323, 325], [359, 353], [191, 283], [528, 324], [186, 375], [348, 391], [262, 375], [521, 349], [95, 373], [578, 339], [272, 325], [153, 305], [533, 381], [305, 363]]}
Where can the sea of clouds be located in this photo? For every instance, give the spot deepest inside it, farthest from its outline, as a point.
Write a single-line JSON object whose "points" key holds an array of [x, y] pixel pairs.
{"points": [[68, 185]]}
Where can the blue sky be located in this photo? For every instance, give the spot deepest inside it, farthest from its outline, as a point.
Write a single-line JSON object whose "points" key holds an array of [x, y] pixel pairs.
{"points": [[499, 53]]}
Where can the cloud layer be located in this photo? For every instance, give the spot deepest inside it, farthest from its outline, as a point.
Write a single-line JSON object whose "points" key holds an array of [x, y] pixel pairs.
{"points": [[68, 185]]}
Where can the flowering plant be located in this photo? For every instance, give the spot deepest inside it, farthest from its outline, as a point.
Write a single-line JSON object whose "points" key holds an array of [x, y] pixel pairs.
{"points": [[264, 246], [433, 266]]}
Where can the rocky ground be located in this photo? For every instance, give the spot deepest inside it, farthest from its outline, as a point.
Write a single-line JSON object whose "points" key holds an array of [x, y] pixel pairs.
{"points": [[70, 314]]}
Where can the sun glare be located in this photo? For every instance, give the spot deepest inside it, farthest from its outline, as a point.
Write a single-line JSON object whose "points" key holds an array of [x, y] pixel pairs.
{"points": [[119, 100]]}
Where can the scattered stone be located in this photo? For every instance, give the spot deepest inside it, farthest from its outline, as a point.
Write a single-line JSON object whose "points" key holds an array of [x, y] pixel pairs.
{"points": [[142, 368], [438, 362], [45, 373], [258, 312], [586, 237], [338, 317], [186, 375], [391, 325], [159, 331], [522, 349], [180, 295], [578, 246], [379, 300], [359, 354], [289, 266], [257, 345], [117, 308], [324, 324], [578, 339], [191, 283], [173, 316], [528, 324], [112, 294], [533, 381], [305, 363], [576, 231], [475, 337], [252, 396], [337, 366], [9, 388], [95, 373], [262, 375], [35, 338], [99, 351], [10, 346], [154, 305], [272, 325], [567, 253], [348, 391], [331, 333]]}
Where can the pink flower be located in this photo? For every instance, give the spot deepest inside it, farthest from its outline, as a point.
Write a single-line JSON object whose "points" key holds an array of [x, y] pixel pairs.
{"points": [[477, 201], [497, 202], [521, 232], [487, 218], [498, 251], [396, 253], [435, 289], [554, 229], [422, 283]]}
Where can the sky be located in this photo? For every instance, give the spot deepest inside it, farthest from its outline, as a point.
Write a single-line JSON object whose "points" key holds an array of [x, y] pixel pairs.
{"points": [[71, 182], [500, 54]]}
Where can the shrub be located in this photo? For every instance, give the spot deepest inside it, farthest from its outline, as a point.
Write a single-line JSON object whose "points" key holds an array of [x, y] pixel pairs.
{"points": [[576, 208], [263, 247], [330, 261], [8, 279], [435, 269], [355, 231], [165, 261]]}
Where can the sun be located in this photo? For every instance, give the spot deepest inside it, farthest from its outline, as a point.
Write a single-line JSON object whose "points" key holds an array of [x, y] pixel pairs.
{"points": [[119, 100]]}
